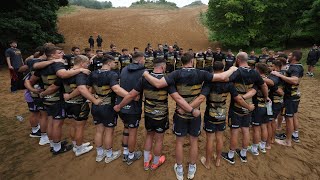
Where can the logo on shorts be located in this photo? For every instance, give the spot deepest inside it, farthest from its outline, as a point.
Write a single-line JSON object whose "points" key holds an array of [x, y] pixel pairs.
{"points": [[57, 117], [110, 124], [131, 125], [210, 130], [178, 134], [235, 126], [159, 129]]}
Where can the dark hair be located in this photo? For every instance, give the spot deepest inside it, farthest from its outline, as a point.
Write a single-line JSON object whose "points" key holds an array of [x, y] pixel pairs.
{"points": [[283, 55], [135, 48], [123, 50], [41, 50], [297, 55], [181, 49], [51, 50], [158, 60], [262, 68], [97, 51], [218, 66], [74, 48], [112, 45], [190, 49], [12, 41], [87, 49], [277, 63], [107, 58], [186, 58], [137, 55], [282, 60]]}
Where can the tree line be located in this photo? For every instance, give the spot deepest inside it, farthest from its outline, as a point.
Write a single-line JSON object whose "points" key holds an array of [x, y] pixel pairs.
{"points": [[93, 4], [256, 23]]}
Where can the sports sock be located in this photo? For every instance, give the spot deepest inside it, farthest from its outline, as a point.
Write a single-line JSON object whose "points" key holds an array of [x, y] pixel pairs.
{"points": [[156, 159], [230, 154], [109, 152], [131, 155], [192, 167], [146, 155], [125, 151], [255, 147], [243, 152], [262, 144], [180, 168], [100, 151], [51, 143], [57, 146], [34, 129], [74, 143], [295, 134]]}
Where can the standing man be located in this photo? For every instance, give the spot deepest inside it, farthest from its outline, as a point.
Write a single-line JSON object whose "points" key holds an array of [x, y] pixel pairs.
{"points": [[178, 64], [14, 61], [75, 51], [230, 60], [99, 41], [264, 56], [96, 61], [209, 55], [149, 57], [113, 52], [244, 80], [125, 59], [218, 55], [159, 53], [200, 60], [313, 58], [170, 57], [91, 42], [252, 59], [176, 47], [291, 97]]}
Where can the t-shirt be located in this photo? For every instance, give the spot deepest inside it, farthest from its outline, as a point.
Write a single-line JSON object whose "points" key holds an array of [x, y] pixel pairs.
{"points": [[125, 60], [102, 81], [178, 60], [170, 58], [200, 60], [156, 100], [217, 94], [158, 54], [230, 60], [252, 60], [49, 77], [263, 58], [148, 56], [15, 57], [270, 61], [292, 91], [273, 95], [219, 57], [208, 59], [244, 79], [187, 82], [96, 63]]}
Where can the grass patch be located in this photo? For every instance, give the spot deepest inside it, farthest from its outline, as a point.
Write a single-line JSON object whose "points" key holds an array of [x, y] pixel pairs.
{"points": [[153, 6], [66, 10]]}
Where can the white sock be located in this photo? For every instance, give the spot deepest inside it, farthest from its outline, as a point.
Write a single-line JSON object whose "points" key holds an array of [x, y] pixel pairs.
{"points": [[125, 151], [295, 134], [38, 126], [156, 159], [51, 143], [192, 167], [131, 155], [43, 135], [180, 168], [74, 143], [262, 144], [243, 152], [230, 154], [146, 155], [255, 147], [57, 146], [100, 151], [34, 129], [109, 152]]}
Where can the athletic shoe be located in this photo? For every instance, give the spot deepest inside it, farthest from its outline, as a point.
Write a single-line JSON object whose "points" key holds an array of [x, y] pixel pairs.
{"points": [[124, 157], [137, 155], [263, 150], [146, 165], [242, 158], [192, 171], [179, 175], [99, 158], [308, 73], [63, 143], [225, 156], [115, 155], [36, 134], [63, 149], [281, 136], [83, 150], [255, 153], [44, 140], [74, 149], [295, 139], [162, 159]]}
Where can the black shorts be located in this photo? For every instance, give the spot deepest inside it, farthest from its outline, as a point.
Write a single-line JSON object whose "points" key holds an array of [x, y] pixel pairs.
{"points": [[182, 127], [311, 62], [276, 110], [104, 114], [79, 112], [158, 126], [130, 120], [211, 126], [39, 103], [260, 116], [290, 107], [32, 107], [238, 121], [56, 111]]}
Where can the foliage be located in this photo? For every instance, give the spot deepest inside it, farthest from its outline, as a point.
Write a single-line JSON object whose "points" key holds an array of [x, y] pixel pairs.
{"points": [[195, 3], [93, 4], [154, 4]]}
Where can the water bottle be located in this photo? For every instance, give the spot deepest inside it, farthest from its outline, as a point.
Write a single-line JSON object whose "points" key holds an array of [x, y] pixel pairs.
{"points": [[269, 108], [19, 118]]}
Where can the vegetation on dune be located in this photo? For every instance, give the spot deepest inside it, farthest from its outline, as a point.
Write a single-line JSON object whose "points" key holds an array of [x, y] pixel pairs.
{"points": [[66, 10], [195, 3], [31, 23], [154, 4], [257, 23], [93, 4]]}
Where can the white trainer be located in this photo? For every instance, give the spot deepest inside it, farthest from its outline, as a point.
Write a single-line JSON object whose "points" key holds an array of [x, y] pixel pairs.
{"points": [[74, 149], [179, 175], [99, 158], [44, 140], [83, 150], [115, 155], [192, 171]]}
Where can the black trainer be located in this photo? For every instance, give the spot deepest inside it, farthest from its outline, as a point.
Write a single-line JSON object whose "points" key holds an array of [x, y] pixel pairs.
{"points": [[242, 158], [295, 139], [63, 143], [225, 156], [64, 148], [36, 134], [281, 136]]}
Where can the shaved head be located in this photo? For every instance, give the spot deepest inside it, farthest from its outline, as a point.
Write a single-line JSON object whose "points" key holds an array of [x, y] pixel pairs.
{"points": [[242, 56]]}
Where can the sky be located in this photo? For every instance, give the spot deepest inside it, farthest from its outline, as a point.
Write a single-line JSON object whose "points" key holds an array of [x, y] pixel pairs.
{"points": [[127, 3]]}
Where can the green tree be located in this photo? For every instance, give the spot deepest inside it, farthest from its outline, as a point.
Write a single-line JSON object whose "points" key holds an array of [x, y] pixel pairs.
{"points": [[31, 23], [311, 21]]}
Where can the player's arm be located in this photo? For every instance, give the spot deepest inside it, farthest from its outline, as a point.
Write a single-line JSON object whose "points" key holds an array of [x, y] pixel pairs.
{"points": [[265, 91], [184, 105], [240, 100], [268, 81], [223, 77], [43, 64], [84, 91], [197, 102], [280, 91], [249, 94], [71, 95], [50, 90], [158, 83], [29, 86], [64, 74], [128, 98], [119, 90], [294, 80]]}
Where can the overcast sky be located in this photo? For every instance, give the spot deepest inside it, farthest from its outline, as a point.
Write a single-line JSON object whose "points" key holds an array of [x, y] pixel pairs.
{"points": [[127, 3]]}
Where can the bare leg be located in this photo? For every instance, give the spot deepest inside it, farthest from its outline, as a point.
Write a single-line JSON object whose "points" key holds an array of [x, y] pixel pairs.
{"points": [[193, 149], [98, 139], [179, 149], [219, 146], [157, 150], [79, 128], [108, 137], [132, 139]]}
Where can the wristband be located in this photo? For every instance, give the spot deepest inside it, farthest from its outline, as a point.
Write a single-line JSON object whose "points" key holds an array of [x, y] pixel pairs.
{"points": [[192, 111]]}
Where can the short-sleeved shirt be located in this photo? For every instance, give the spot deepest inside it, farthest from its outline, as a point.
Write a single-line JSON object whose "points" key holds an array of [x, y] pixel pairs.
{"points": [[244, 79], [200, 60], [208, 59], [125, 60], [274, 96], [292, 91], [102, 81], [219, 57], [158, 54], [96, 63], [217, 94], [178, 60], [270, 61], [156, 100], [15, 57], [148, 56], [263, 58], [49, 77], [187, 82], [230, 60], [170, 58], [252, 60], [71, 84]]}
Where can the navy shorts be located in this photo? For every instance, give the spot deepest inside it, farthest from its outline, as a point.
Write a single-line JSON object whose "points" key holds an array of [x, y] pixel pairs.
{"points": [[182, 126], [104, 114]]}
